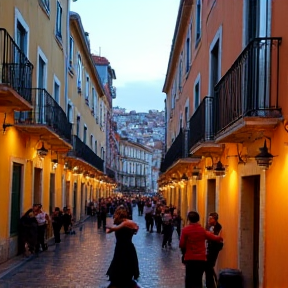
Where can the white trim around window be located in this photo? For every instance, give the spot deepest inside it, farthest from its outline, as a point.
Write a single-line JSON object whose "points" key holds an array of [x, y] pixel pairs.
{"points": [[19, 18], [197, 82]]}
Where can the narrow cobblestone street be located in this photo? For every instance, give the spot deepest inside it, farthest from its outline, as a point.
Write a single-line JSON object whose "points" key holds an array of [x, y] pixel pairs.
{"points": [[82, 260]]}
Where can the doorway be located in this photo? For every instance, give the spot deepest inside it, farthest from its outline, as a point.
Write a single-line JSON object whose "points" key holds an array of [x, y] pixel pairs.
{"points": [[249, 230], [74, 199], [15, 198], [82, 207], [37, 185], [52, 193], [211, 197], [194, 198], [67, 194]]}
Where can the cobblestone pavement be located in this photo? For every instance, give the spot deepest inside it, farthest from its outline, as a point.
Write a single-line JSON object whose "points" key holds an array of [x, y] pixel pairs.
{"points": [[82, 260]]}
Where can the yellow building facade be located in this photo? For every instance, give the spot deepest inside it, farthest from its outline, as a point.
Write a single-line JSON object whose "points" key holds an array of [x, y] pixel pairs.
{"points": [[226, 120], [52, 146]]}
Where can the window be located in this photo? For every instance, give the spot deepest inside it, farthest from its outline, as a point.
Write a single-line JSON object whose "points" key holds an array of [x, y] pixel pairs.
{"points": [[21, 30], [188, 48], [180, 74], [102, 153], [95, 147], [45, 4], [198, 21], [196, 95], [93, 101], [91, 141], [85, 134], [59, 21], [87, 90], [56, 90], [95, 96], [78, 126], [21, 38], [70, 113], [186, 115], [79, 74], [71, 51], [101, 111]]}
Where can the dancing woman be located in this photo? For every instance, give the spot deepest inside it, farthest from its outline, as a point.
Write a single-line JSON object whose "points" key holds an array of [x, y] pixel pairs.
{"points": [[124, 268]]}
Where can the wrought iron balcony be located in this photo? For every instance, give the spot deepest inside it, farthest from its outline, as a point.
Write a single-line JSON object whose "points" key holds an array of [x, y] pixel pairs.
{"points": [[175, 152], [246, 98], [47, 119], [82, 151], [15, 75]]}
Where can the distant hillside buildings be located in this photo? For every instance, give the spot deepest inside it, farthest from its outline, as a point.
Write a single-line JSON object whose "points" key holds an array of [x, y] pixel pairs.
{"points": [[144, 130]]}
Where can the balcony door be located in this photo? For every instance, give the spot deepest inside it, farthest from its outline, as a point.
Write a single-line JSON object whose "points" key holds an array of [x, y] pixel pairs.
{"points": [[258, 64], [41, 84]]}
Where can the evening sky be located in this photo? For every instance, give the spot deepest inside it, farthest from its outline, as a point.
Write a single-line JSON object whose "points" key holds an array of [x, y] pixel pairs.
{"points": [[136, 37]]}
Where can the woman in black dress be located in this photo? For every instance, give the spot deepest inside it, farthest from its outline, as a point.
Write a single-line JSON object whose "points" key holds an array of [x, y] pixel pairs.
{"points": [[124, 268]]}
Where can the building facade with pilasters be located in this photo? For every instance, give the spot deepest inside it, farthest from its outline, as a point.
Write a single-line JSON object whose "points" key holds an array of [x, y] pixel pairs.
{"points": [[226, 138], [39, 147]]}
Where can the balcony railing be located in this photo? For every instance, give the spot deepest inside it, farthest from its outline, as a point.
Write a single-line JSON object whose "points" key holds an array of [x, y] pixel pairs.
{"points": [[175, 152], [15, 68], [250, 86], [201, 123], [46, 111], [81, 150]]}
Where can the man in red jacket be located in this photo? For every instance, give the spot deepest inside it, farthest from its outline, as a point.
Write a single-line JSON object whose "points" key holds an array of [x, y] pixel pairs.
{"points": [[192, 244]]}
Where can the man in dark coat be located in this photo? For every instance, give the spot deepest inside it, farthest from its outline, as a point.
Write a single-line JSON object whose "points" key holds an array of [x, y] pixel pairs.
{"points": [[213, 249]]}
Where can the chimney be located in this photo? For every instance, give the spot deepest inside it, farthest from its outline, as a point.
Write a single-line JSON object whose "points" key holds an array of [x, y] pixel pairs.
{"points": [[88, 40]]}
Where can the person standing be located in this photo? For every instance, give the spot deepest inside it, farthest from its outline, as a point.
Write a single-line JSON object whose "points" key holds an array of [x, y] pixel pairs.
{"points": [[124, 268], [213, 249], [192, 244], [57, 221], [42, 220], [67, 219]]}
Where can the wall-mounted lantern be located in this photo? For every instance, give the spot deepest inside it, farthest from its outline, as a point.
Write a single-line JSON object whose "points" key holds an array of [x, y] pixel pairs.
{"points": [[264, 158], [42, 152], [184, 178], [219, 170], [196, 172]]}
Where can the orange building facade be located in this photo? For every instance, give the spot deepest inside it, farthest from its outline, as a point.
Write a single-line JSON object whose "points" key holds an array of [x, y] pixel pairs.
{"points": [[226, 124]]}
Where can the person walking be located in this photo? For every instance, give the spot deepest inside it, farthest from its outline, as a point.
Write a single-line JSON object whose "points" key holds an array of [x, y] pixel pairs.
{"points": [[124, 268], [149, 213], [192, 244], [213, 249], [167, 228]]}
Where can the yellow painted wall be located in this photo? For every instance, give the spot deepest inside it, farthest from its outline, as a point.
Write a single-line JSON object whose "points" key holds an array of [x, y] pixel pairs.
{"points": [[79, 99]]}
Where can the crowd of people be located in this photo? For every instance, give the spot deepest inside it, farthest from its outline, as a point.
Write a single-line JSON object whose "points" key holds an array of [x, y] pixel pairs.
{"points": [[34, 224], [200, 246]]}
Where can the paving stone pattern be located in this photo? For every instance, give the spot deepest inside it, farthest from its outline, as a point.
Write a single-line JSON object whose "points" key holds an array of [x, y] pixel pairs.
{"points": [[81, 261]]}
